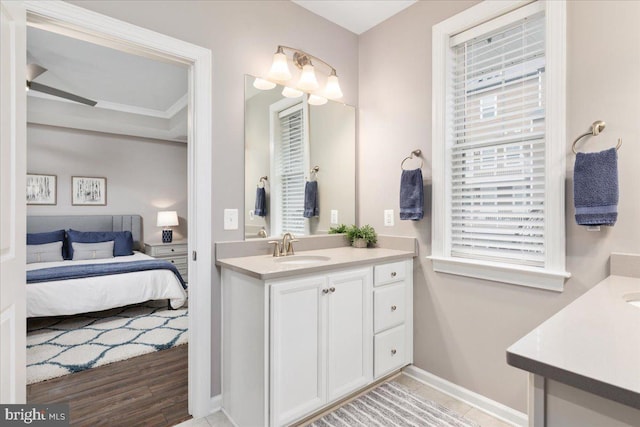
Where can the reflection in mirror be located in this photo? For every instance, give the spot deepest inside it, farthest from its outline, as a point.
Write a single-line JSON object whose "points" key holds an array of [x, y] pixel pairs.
{"points": [[285, 139]]}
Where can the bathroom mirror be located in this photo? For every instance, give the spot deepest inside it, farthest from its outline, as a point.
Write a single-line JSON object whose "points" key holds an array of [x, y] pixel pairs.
{"points": [[285, 140]]}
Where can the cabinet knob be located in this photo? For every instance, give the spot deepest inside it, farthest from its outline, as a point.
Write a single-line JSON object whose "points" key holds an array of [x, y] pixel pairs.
{"points": [[173, 250], [173, 262], [394, 308], [332, 289], [393, 351], [325, 291], [393, 274]]}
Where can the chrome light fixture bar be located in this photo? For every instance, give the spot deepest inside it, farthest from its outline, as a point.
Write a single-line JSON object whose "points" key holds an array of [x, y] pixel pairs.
{"points": [[308, 82]]}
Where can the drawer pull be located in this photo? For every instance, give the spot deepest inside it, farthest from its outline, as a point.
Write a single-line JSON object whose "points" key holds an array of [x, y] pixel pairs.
{"points": [[393, 274], [393, 351], [325, 291], [394, 308], [332, 289], [173, 262], [173, 250]]}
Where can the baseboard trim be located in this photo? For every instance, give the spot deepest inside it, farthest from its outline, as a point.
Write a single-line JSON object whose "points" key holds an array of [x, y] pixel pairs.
{"points": [[491, 407], [215, 404]]}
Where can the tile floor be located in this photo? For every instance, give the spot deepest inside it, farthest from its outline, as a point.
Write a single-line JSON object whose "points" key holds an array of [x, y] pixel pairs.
{"points": [[220, 420]]}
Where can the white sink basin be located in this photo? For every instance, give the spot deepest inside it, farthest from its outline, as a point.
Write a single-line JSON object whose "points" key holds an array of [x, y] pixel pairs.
{"points": [[302, 259], [633, 299]]}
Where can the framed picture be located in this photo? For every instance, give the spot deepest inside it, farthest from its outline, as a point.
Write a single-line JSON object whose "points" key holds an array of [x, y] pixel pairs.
{"points": [[88, 191], [42, 189]]}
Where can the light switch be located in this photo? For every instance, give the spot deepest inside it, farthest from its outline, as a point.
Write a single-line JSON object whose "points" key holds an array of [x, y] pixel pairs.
{"points": [[388, 217], [334, 216], [231, 219], [251, 215]]}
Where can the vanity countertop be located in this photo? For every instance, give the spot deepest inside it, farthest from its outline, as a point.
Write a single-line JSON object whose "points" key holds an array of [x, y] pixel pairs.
{"points": [[592, 344], [267, 267]]}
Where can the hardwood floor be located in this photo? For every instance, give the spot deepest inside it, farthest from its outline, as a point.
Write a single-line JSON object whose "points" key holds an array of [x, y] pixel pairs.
{"points": [[148, 390]]}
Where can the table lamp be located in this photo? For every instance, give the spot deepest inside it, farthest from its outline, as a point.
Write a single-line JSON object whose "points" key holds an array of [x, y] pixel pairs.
{"points": [[167, 219]]}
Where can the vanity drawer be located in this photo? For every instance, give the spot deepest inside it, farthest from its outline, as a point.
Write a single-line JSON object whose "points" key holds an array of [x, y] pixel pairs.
{"points": [[389, 307], [388, 273], [389, 351]]}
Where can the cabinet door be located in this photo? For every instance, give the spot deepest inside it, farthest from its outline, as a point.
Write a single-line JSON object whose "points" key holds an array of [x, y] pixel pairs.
{"points": [[297, 356], [349, 332]]}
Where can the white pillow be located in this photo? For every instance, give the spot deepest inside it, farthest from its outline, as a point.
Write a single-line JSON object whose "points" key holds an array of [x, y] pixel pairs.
{"points": [[46, 252], [92, 250]]}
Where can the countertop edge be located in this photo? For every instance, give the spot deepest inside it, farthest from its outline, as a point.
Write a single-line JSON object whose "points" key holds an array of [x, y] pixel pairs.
{"points": [[591, 385], [314, 268]]}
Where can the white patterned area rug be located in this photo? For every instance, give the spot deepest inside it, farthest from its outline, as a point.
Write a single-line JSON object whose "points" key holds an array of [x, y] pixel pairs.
{"points": [[62, 345], [392, 404]]}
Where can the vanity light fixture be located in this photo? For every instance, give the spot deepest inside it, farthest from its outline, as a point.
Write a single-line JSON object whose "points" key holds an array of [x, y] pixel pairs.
{"points": [[308, 82], [289, 92], [316, 100], [263, 84]]}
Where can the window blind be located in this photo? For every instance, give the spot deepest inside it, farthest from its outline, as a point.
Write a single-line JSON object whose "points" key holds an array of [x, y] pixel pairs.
{"points": [[497, 137], [290, 169]]}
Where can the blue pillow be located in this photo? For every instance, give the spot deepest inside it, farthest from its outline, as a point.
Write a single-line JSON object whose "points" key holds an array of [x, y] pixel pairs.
{"points": [[49, 237], [42, 238], [123, 240]]}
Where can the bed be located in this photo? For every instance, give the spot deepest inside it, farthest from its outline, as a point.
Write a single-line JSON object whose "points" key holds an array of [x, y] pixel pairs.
{"points": [[66, 294]]}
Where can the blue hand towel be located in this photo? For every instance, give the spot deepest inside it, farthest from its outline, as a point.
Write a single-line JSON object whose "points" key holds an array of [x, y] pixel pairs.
{"points": [[411, 195], [261, 202], [595, 187], [311, 199]]}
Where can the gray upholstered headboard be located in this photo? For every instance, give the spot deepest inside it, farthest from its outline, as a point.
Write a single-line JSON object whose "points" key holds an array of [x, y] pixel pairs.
{"points": [[132, 223]]}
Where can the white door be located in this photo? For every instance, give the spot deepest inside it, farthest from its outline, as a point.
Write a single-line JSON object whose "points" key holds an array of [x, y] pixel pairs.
{"points": [[297, 358], [12, 202], [349, 332]]}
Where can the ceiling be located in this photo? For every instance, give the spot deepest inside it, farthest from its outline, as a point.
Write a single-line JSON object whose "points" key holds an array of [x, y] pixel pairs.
{"points": [[139, 96], [356, 16], [136, 95]]}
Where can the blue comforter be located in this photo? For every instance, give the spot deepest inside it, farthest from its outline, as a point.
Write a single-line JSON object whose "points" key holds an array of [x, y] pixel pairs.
{"points": [[92, 270]]}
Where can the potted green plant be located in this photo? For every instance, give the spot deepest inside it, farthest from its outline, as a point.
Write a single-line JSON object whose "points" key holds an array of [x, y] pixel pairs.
{"points": [[361, 237], [340, 229]]}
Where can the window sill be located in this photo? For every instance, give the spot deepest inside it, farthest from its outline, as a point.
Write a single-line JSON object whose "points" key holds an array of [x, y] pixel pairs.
{"points": [[513, 274]]}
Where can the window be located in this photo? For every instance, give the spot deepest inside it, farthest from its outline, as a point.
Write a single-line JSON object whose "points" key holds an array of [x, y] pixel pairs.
{"points": [[290, 153], [498, 201]]}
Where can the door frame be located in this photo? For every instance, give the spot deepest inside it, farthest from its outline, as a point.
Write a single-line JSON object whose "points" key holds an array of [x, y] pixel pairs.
{"points": [[64, 18]]}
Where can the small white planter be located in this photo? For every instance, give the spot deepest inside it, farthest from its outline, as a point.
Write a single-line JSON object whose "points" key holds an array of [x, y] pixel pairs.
{"points": [[359, 243]]}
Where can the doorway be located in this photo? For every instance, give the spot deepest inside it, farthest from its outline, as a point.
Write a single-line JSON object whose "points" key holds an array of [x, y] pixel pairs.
{"points": [[76, 22]]}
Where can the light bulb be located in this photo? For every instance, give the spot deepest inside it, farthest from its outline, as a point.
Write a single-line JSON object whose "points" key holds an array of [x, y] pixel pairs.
{"points": [[290, 92], [308, 78], [280, 67], [316, 100], [263, 84], [332, 90]]}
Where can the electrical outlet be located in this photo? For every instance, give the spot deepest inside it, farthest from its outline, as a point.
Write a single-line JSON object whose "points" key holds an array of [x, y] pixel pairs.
{"points": [[334, 216], [388, 217], [231, 219]]}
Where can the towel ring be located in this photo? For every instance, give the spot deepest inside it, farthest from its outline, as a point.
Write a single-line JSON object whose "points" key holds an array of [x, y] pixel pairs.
{"points": [[597, 127], [262, 181], [313, 173], [414, 153]]}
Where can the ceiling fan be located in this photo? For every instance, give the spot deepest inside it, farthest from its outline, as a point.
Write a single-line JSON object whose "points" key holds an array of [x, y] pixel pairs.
{"points": [[34, 70]]}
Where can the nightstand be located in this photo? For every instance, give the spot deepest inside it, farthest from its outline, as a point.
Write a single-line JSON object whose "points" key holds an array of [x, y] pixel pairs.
{"points": [[174, 252]]}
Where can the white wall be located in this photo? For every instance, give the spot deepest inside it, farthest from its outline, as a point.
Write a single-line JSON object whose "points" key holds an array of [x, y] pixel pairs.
{"points": [[143, 175], [243, 36], [463, 326]]}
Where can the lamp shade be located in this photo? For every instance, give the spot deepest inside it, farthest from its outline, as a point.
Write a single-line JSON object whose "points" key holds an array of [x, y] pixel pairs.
{"points": [[167, 219], [263, 84], [290, 92], [308, 79], [316, 100], [279, 67], [332, 90]]}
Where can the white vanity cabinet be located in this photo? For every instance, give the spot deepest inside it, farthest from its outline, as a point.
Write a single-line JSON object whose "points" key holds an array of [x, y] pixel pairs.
{"points": [[297, 344], [320, 342]]}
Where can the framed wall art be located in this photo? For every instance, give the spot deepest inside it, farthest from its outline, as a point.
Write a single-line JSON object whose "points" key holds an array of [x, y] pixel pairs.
{"points": [[88, 191], [41, 189]]}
